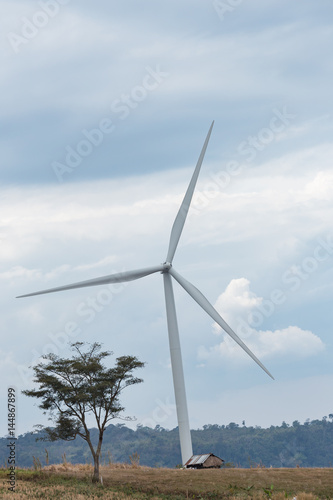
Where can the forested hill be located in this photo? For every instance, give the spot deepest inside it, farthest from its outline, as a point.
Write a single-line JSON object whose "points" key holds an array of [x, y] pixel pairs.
{"points": [[305, 445]]}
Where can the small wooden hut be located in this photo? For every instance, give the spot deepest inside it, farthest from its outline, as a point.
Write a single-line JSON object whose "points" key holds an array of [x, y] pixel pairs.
{"points": [[207, 461]]}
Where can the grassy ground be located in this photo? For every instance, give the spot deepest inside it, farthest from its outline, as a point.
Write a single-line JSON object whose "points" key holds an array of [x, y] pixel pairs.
{"points": [[125, 481]]}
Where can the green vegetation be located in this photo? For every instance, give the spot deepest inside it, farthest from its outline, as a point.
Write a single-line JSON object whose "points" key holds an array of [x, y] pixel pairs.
{"points": [[71, 389], [305, 445]]}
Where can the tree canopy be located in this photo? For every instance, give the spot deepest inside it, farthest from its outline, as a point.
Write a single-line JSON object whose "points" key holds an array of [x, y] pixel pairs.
{"points": [[70, 389]]}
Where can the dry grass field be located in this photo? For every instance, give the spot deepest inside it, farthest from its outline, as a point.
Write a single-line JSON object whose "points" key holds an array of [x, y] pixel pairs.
{"points": [[127, 481]]}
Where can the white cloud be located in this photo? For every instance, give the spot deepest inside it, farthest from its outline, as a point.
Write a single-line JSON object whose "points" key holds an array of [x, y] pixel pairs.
{"points": [[237, 300], [320, 188], [266, 344], [240, 307], [19, 271]]}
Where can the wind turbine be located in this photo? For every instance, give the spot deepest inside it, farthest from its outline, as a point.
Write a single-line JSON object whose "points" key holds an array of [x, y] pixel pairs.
{"points": [[168, 271]]}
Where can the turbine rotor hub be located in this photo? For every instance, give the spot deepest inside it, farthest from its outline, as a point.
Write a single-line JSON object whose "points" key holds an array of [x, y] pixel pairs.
{"points": [[166, 267]]}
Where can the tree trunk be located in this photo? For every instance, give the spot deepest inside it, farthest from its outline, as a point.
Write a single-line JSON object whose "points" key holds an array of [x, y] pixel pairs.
{"points": [[95, 478]]}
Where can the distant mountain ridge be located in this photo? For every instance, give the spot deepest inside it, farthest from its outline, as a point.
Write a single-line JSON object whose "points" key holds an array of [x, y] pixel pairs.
{"points": [[305, 445]]}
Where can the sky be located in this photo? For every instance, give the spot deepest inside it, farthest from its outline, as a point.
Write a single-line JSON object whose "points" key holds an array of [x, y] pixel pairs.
{"points": [[104, 110]]}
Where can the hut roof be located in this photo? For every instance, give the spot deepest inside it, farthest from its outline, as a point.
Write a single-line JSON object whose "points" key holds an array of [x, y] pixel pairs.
{"points": [[199, 460]]}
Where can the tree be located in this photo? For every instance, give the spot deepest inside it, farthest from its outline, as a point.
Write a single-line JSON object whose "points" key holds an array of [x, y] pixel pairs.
{"points": [[71, 389]]}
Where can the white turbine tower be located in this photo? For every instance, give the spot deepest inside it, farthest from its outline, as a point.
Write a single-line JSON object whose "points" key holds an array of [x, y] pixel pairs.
{"points": [[168, 271]]}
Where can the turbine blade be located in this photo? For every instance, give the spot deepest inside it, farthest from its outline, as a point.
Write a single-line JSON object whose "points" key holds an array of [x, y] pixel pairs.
{"points": [[103, 280], [179, 222], [206, 305]]}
